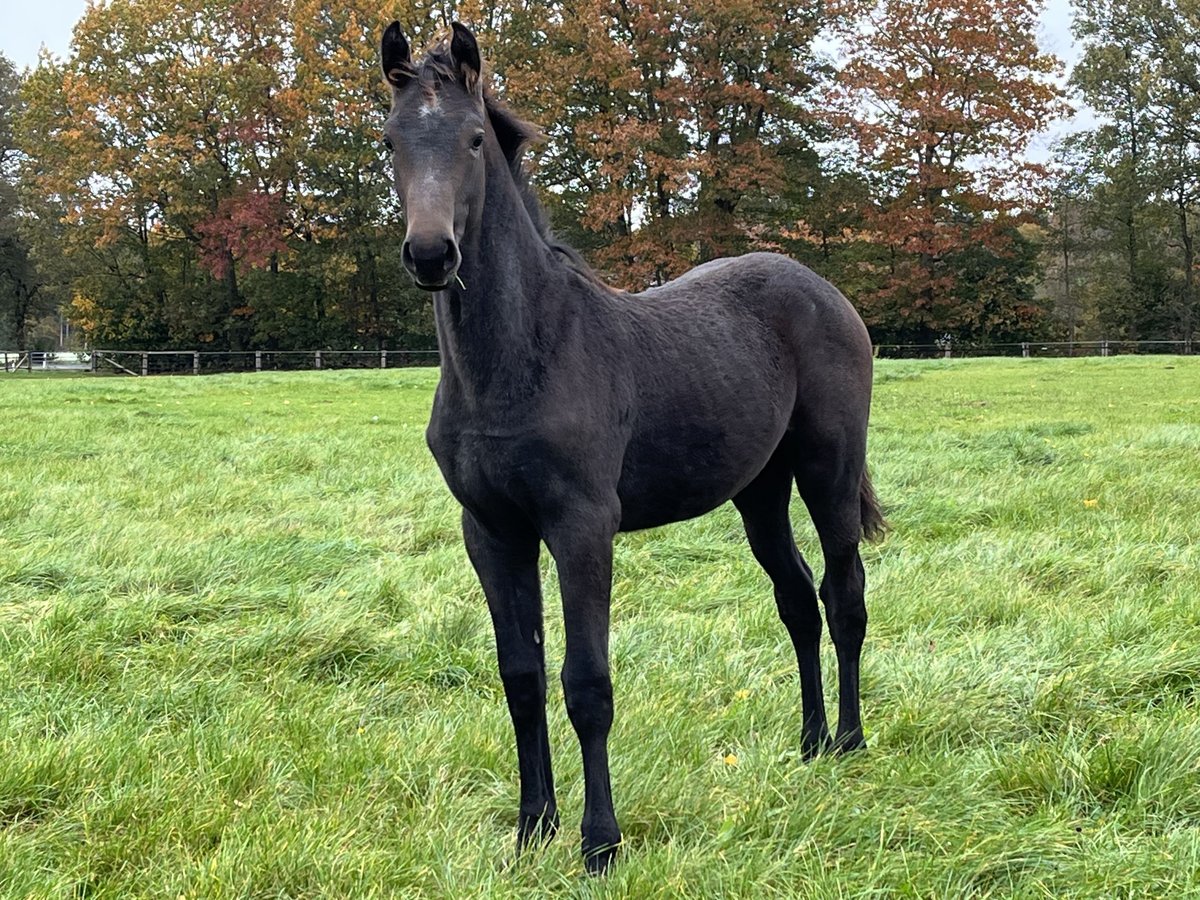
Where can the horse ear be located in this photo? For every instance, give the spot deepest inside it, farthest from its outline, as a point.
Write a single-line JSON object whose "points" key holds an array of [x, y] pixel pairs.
{"points": [[395, 57], [465, 53]]}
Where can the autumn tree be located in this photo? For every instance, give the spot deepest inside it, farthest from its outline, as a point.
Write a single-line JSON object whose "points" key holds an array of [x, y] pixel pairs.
{"points": [[208, 171], [941, 99], [158, 134], [218, 170], [1141, 71], [1068, 237], [24, 298], [348, 224], [14, 256], [666, 121]]}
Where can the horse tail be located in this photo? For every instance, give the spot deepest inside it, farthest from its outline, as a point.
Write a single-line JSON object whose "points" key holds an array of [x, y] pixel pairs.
{"points": [[874, 526]]}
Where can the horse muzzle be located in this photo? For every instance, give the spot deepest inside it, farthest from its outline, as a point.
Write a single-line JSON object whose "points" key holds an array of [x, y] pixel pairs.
{"points": [[432, 261]]}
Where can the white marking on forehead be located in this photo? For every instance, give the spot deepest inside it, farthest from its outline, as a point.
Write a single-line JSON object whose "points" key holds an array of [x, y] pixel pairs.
{"points": [[429, 107]]}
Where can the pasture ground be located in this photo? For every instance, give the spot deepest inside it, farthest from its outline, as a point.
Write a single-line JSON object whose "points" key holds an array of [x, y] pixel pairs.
{"points": [[242, 654]]}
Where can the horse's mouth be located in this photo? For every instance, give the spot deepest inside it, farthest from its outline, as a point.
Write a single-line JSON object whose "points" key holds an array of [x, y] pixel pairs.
{"points": [[432, 287]]}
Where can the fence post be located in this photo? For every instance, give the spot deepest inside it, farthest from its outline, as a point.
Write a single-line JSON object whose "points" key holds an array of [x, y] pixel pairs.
{"points": [[29, 360], [1104, 348], [1025, 349], [257, 360], [92, 361], [383, 359], [145, 363], [195, 362], [317, 359], [947, 353]]}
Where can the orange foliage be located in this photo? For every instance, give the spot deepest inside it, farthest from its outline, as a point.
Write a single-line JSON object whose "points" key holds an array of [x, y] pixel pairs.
{"points": [[941, 98], [662, 118]]}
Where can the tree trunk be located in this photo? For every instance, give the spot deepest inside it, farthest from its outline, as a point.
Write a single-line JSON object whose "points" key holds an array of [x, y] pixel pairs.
{"points": [[933, 200], [232, 302], [1189, 266], [373, 299], [1131, 221], [20, 319], [1072, 313]]}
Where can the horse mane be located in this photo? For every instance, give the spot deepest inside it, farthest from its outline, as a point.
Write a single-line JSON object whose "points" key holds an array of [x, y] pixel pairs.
{"points": [[514, 135]]}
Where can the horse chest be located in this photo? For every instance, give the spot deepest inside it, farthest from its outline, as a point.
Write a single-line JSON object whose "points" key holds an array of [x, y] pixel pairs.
{"points": [[490, 464]]}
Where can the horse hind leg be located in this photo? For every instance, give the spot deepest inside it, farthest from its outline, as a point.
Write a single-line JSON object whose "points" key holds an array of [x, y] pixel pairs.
{"points": [[832, 480], [764, 509]]}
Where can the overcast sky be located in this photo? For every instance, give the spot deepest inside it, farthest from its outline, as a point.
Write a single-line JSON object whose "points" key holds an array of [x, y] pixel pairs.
{"points": [[32, 24], [28, 24]]}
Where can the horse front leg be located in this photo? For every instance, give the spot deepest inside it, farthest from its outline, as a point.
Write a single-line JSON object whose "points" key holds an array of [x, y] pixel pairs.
{"points": [[583, 552], [508, 571]]}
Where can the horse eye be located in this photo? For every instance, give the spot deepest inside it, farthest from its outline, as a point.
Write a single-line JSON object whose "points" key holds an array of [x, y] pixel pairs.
{"points": [[477, 142], [387, 142]]}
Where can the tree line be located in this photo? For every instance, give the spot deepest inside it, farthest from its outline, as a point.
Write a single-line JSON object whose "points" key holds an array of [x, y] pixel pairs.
{"points": [[1121, 216], [207, 173]]}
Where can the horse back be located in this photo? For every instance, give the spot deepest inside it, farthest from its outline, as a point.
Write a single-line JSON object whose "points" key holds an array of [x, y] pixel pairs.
{"points": [[721, 359]]}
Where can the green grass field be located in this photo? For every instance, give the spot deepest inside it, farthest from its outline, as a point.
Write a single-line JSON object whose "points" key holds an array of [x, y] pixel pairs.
{"points": [[242, 654]]}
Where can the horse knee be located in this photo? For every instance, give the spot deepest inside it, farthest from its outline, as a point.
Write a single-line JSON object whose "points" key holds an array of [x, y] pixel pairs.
{"points": [[799, 615], [847, 615], [842, 592], [525, 692], [848, 625], [589, 701], [844, 573]]}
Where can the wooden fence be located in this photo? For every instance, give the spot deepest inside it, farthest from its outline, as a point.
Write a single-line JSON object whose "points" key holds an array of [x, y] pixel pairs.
{"points": [[203, 362]]}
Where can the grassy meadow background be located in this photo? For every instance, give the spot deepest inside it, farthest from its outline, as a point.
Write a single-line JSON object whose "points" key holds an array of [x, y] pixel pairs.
{"points": [[242, 654]]}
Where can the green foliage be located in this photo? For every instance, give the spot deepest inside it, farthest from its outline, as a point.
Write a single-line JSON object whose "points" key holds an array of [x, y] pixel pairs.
{"points": [[19, 280], [941, 99], [669, 125], [1141, 166], [217, 176], [206, 173], [996, 285], [245, 655]]}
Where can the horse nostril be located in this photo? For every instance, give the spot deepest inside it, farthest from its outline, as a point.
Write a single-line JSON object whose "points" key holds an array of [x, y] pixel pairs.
{"points": [[430, 259]]}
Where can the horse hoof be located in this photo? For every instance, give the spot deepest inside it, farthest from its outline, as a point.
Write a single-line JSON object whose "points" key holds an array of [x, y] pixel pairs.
{"points": [[812, 747], [849, 744], [536, 829], [599, 859]]}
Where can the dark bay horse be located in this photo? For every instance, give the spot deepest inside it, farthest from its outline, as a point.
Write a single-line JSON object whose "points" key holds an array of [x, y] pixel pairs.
{"points": [[567, 412]]}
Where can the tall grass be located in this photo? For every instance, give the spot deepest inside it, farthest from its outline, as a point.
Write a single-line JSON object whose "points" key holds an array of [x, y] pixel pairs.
{"points": [[242, 654]]}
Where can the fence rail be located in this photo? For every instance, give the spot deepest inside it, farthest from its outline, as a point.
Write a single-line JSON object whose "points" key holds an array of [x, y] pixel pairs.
{"points": [[1028, 349], [204, 362], [42, 360]]}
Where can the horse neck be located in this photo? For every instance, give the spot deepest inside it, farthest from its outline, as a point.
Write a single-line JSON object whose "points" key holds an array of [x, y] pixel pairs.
{"points": [[490, 322]]}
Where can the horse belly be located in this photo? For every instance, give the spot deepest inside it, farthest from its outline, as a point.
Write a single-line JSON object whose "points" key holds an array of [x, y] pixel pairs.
{"points": [[674, 475]]}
